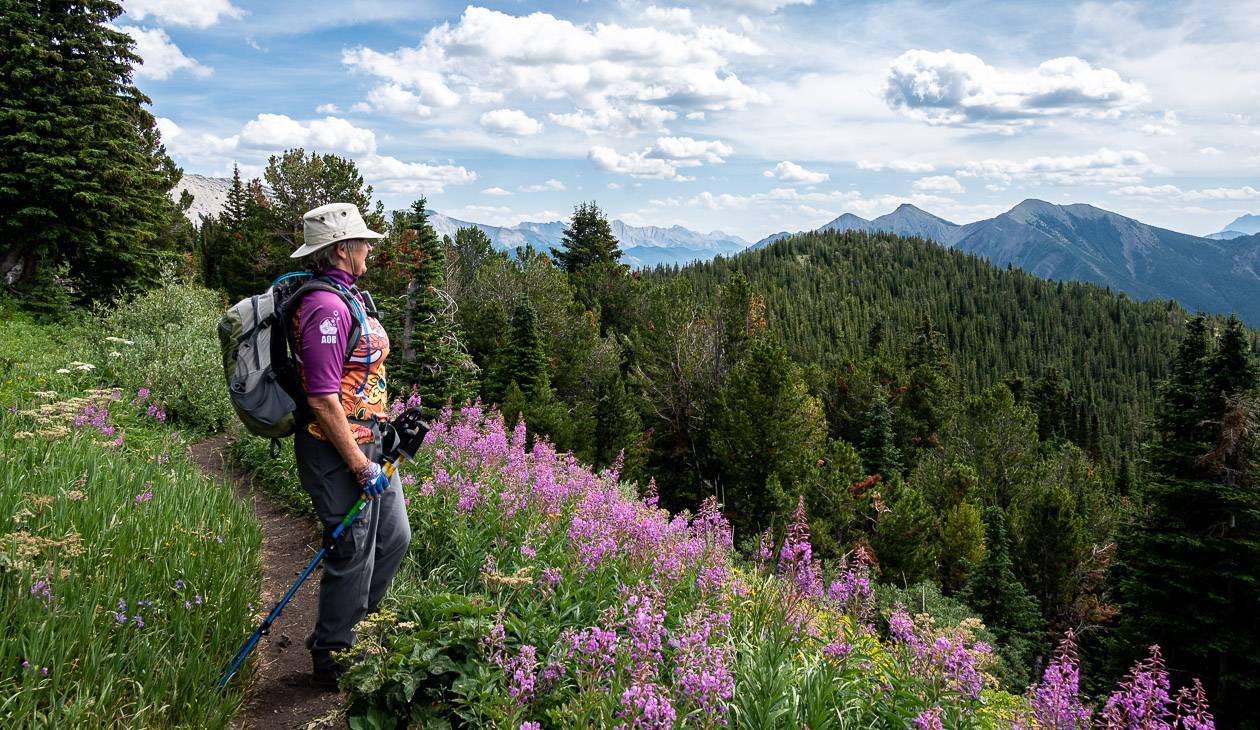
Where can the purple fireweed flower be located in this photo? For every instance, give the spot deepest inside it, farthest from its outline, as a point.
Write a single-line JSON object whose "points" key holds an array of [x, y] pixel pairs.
{"points": [[1142, 702], [43, 671], [521, 673], [645, 707], [929, 719], [702, 658], [408, 479], [142, 394], [25, 664], [115, 394], [492, 644], [796, 554], [837, 649], [145, 496], [1192, 708], [644, 622], [117, 442], [530, 725], [107, 430], [595, 650], [1056, 702], [528, 552]]}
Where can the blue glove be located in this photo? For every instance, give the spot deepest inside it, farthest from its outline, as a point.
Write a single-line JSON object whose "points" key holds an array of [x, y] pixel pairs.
{"points": [[373, 480]]}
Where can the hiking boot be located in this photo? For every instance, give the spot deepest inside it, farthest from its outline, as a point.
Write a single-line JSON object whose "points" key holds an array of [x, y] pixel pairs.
{"points": [[326, 670]]}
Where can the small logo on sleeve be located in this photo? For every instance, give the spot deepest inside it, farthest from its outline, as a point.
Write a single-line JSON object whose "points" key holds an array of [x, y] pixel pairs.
{"points": [[328, 332]]}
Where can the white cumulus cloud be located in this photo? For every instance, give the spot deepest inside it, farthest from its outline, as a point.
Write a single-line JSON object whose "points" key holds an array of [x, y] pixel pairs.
{"points": [[1103, 167], [1244, 193], [160, 56], [549, 186], [938, 184], [391, 175], [496, 191], [195, 14], [330, 134], [662, 160], [542, 57], [910, 166], [628, 120], [394, 100], [788, 171], [510, 121], [949, 88]]}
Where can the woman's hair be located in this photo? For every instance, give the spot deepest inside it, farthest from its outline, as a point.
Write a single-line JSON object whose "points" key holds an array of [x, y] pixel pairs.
{"points": [[326, 257]]}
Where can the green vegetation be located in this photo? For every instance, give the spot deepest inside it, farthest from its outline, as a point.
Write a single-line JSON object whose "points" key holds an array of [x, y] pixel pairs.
{"points": [[125, 576]]}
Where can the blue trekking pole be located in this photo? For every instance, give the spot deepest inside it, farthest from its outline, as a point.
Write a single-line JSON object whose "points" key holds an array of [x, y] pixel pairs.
{"points": [[409, 431]]}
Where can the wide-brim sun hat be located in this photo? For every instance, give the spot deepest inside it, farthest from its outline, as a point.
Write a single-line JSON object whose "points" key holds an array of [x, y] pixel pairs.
{"points": [[329, 224]]}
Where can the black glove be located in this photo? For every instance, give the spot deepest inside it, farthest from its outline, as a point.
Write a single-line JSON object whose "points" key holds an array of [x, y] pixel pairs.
{"points": [[403, 435]]}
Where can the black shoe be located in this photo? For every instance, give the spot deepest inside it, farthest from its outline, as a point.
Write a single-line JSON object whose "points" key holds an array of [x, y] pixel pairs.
{"points": [[326, 671]]}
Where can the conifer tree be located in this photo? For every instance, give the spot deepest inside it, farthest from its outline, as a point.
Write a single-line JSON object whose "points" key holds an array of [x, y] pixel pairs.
{"points": [[524, 361], [83, 174], [587, 240], [1188, 572], [998, 596], [432, 359], [961, 546], [904, 539], [878, 445], [767, 425]]}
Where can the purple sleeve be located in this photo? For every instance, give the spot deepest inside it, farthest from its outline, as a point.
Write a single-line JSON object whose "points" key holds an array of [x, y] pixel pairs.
{"points": [[324, 326]]}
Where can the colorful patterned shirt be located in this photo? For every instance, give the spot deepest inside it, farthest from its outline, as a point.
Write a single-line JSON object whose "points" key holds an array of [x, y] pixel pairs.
{"points": [[321, 326]]}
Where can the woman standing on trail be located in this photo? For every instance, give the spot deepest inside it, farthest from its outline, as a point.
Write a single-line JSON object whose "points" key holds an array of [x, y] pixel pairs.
{"points": [[339, 447]]}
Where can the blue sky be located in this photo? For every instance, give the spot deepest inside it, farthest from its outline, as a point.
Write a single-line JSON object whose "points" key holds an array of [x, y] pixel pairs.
{"points": [[747, 116]]}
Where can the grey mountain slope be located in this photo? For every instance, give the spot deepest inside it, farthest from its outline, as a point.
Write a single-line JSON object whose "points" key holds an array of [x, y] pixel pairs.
{"points": [[1225, 235], [1245, 224], [1084, 243]]}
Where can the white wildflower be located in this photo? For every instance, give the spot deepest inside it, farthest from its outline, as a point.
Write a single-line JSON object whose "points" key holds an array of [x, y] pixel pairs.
{"points": [[115, 353], [63, 371], [85, 367]]}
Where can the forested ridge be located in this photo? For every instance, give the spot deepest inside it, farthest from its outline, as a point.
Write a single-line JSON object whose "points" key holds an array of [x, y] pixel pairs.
{"points": [[826, 292]]}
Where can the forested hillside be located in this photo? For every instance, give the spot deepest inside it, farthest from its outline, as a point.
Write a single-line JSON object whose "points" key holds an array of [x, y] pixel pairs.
{"points": [[838, 297]]}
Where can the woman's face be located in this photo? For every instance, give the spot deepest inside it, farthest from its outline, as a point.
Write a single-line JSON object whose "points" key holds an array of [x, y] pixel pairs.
{"points": [[357, 256]]}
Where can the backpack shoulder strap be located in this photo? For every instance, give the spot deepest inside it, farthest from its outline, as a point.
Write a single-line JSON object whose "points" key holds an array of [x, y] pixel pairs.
{"points": [[319, 283]]}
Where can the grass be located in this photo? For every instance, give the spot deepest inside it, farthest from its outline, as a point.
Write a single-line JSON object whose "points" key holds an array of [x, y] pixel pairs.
{"points": [[126, 577]]}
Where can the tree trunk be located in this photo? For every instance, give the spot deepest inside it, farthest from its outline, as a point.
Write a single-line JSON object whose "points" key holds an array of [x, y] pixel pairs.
{"points": [[409, 322]]}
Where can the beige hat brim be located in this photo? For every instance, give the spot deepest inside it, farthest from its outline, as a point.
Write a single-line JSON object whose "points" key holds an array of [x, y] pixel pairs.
{"points": [[309, 248]]}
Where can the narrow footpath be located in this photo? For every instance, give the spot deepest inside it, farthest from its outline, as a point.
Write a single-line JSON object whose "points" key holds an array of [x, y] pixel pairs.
{"points": [[280, 695]]}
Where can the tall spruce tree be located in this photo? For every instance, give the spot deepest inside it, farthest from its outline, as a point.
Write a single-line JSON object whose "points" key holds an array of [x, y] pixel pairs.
{"points": [[878, 444], [587, 240], [83, 174], [432, 360], [524, 362], [1001, 600], [768, 435], [1188, 572]]}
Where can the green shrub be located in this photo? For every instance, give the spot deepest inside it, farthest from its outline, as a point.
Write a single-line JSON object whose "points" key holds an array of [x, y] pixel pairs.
{"points": [[166, 340]]}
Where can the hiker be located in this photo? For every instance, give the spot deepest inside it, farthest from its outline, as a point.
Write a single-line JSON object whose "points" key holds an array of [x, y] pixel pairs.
{"points": [[339, 449]]}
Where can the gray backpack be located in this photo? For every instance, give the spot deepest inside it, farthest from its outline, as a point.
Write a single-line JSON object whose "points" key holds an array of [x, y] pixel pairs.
{"points": [[258, 354]]}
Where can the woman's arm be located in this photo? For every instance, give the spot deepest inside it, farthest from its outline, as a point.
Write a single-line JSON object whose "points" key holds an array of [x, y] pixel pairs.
{"points": [[335, 427]]}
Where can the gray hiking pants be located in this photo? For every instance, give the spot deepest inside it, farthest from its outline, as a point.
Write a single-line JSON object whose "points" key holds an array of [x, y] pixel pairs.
{"points": [[359, 567]]}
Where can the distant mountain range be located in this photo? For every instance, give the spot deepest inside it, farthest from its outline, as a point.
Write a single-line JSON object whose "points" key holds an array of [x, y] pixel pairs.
{"points": [[640, 246], [1084, 243], [1246, 225], [1218, 273]]}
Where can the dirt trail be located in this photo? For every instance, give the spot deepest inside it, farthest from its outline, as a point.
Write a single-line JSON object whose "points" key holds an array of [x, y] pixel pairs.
{"points": [[280, 695]]}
